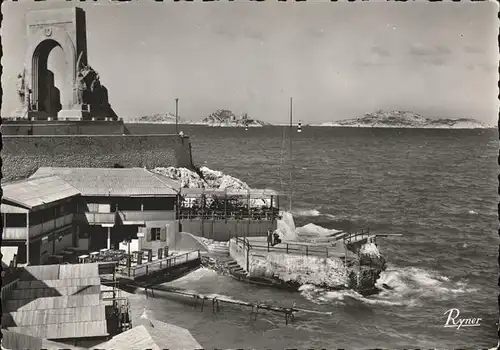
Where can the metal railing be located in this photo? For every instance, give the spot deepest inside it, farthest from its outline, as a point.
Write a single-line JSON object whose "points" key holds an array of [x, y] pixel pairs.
{"points": [[357, 236], [174, 260], [268, 215], [293, 248], [8, 288]]}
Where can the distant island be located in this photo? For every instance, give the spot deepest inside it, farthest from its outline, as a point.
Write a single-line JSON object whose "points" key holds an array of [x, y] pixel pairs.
{"points": [[405, 119], [220, 118]]}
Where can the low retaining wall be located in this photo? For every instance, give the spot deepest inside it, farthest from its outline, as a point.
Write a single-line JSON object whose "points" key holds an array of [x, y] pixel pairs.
{"points": [[299, 269], [23, 155], [222, 230]]}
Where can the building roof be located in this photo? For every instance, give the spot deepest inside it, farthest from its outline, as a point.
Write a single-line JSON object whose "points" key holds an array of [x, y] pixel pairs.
{"points": [[65, 330], [114, 181], [253, 193], [35, 192], [14, 340], [56, 302], [152, 334]]}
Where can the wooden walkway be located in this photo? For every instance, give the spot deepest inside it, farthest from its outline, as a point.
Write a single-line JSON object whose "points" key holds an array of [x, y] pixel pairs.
{"points": [[217, 299], [165, 264]]}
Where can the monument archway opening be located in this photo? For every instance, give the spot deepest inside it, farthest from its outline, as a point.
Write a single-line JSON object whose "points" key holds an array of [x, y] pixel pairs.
{"points": [[46, 97]]}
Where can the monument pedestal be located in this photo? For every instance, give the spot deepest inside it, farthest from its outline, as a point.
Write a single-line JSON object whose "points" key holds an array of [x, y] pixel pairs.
{"points": [[20, 113], [78, 112]]}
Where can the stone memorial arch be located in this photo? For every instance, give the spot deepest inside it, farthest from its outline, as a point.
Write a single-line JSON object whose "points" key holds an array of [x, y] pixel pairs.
{"points": [[81, 95]]}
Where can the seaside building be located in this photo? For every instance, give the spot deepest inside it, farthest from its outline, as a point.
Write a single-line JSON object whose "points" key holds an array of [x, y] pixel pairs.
{"points": [[86, 209], [61, 210]]}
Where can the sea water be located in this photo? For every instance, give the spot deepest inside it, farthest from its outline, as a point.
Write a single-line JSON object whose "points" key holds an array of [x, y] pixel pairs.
{"points": [[438, 188]]}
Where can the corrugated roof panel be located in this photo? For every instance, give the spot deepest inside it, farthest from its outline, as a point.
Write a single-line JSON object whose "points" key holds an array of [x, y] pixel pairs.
{"points": [[35, 192], [51, 316], [60, 302], [113, 181], [153, 334], [78, 270], [40, 272], [65, 330], [53, 292], [68, 282]]}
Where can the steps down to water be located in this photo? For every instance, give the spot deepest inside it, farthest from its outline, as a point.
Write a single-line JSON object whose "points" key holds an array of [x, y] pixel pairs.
{"points": [[235, 269]]}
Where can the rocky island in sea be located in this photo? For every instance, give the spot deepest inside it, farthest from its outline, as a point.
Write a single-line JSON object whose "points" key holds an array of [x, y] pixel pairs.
{"points": [[220, 118], [406, 119]]}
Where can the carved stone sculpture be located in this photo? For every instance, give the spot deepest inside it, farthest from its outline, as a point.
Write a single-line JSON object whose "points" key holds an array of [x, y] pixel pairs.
{"points": [[21, 88], [96, 83], [80, 87]]}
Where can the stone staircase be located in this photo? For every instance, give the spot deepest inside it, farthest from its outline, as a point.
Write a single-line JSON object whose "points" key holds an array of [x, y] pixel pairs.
{"points": [[235, 269]]}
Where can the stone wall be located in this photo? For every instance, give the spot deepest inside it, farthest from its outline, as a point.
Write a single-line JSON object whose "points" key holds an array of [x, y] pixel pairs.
{"points": [[328, 272], [61, 127], [224, 230], [23, 155]]}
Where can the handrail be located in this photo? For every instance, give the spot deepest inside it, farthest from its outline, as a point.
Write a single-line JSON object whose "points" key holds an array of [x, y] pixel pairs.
{"points": [[8, 287], [167, 261], [362, 234]]}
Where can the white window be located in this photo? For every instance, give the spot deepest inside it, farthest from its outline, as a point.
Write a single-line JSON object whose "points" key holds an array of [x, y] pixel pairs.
{"points": [[104, 208]]}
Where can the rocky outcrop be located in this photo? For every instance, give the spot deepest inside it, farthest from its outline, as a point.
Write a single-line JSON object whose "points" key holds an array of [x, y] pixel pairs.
{"points": [[209, 179], [226, 118], [406, 119], [366, 269], [158, 118]]}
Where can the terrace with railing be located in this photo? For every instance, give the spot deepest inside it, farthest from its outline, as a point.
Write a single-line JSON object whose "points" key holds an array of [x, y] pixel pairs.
{"points": [[305, 249], [208, 204], [362, 235]]}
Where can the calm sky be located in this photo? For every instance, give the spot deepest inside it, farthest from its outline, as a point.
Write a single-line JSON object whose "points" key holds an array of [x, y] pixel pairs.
{"points": [[337, 60]]}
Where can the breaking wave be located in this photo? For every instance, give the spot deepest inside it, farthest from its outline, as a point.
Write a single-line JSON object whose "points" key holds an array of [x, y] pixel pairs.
{"points": [[407, 286], [311, 213]]}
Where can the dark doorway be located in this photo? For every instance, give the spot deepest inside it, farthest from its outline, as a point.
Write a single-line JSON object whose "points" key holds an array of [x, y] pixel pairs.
{"points": [[46, 97]]}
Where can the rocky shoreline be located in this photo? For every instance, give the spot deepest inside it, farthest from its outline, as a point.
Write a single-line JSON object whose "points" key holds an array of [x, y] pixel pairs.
{"points": [[362, 276]]}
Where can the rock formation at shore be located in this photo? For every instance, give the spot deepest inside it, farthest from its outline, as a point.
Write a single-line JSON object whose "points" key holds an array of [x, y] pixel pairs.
{"points": [[405, 119], [212, 179]]}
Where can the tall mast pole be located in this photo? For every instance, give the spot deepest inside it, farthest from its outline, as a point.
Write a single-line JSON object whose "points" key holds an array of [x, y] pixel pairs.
{"points": [[176, 116], [291, 161]]}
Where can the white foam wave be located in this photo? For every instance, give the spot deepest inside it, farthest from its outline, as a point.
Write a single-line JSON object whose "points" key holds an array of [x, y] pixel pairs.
{"points": [[313, 230], [306, 212], [311, 213], [408, 286]]}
